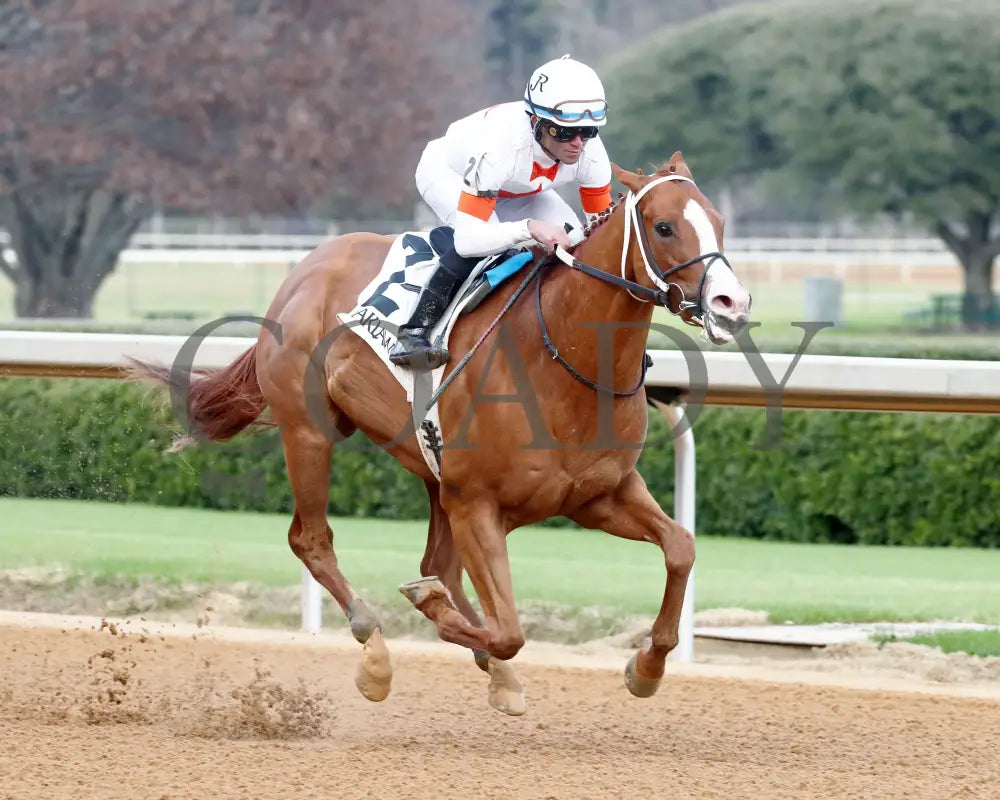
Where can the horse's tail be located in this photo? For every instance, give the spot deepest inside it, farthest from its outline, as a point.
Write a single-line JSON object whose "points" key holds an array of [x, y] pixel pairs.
{"points": [[220, 402]]}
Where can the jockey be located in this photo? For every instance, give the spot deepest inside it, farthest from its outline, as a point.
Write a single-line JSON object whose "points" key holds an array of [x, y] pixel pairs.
{"points": [[491, 178]]}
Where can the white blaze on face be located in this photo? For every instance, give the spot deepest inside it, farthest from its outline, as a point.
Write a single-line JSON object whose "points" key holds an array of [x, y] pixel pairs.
{"points": [[724, 295]]}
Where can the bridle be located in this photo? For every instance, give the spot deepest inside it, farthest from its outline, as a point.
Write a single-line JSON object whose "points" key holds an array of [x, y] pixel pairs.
{"points": [[661, 295]]}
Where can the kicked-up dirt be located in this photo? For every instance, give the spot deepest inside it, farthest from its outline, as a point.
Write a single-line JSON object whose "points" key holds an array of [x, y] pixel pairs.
{"points": [[136, 709]]}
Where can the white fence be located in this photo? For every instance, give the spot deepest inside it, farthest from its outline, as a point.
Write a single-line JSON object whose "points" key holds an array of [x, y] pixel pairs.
{"points": [[172, 240], [808, 253], [153, 248], [816, 382]]}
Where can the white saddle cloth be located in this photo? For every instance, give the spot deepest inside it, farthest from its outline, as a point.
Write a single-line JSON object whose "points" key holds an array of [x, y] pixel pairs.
{"points": [[385, 304]]}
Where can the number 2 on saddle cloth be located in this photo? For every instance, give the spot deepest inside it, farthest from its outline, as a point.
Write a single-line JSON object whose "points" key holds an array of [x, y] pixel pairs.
{"points": [[451, 271]]}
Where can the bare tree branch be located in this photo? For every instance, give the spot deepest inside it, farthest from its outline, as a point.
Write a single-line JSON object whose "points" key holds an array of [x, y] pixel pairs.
{"points": [[233, 106], [954, 240]]}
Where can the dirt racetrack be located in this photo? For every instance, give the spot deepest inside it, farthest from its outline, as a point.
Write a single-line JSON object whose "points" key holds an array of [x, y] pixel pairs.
{"points": [[175, 712]]}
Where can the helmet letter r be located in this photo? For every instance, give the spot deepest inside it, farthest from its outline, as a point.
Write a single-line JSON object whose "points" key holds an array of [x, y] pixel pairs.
{"points": [[540, 81]]}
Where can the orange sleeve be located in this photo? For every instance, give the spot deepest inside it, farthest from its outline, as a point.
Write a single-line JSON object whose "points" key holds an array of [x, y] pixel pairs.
{"points": [[481, 207], [595, 199]]}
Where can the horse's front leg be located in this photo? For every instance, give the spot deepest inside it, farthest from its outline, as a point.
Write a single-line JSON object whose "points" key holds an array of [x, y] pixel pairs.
{"points": [[440, 596], [629, 511], [481, 542]]}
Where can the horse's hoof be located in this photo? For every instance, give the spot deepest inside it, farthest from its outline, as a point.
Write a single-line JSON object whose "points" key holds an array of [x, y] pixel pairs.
{"points": [[638, 685], [422, 589], [505, 692], [374, 675]]}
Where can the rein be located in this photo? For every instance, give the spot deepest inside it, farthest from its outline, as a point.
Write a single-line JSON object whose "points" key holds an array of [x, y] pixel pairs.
{"points": [[550, 346]]}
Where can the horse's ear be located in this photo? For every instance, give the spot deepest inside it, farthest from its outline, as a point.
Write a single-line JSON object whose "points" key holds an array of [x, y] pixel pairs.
{"points": [[677, 166], [629, 180]]}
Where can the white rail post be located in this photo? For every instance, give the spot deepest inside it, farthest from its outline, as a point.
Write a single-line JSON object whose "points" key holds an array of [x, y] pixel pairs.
{"points": [[684, 507], [312, 602]]}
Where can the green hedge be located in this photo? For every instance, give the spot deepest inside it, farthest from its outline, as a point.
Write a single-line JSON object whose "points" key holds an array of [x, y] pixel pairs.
{"points": [[929, 479], [104, 440]]}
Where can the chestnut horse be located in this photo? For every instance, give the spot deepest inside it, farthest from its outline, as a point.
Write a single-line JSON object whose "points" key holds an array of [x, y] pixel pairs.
{"points": [[661, 246]]}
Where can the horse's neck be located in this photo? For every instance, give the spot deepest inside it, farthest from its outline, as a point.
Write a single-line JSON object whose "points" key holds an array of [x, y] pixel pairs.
{"points": [[577, 300], [603, 250]]}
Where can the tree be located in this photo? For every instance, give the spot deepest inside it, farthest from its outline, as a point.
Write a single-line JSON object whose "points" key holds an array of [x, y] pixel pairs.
{"points": [[522, 34], [113, 109], [875, 106], [520, 31]]}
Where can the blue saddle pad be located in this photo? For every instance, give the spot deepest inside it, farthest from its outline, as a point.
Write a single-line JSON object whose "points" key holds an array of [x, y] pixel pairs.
{"points": [[498, 274], [493, 277]]}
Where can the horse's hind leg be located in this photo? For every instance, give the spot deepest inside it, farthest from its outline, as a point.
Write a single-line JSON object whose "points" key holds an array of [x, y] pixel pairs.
{"points": [[307, 458], [440, 596]]}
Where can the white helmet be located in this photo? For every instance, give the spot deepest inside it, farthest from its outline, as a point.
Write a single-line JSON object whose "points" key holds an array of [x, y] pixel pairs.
{"points": [[567, 93]]}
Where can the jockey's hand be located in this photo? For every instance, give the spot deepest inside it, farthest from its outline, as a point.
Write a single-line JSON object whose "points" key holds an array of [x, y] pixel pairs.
{"points": [[549, 234]]}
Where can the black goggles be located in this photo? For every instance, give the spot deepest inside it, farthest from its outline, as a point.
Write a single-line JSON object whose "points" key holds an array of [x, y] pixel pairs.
{"points": [[561, 134]]}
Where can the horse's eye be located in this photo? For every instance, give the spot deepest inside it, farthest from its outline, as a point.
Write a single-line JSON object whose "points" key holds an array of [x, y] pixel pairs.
{"points": [[663, 229]]}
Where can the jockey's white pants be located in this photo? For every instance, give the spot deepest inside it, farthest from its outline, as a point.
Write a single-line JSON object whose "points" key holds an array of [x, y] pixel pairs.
{"points": [[440, 187]]}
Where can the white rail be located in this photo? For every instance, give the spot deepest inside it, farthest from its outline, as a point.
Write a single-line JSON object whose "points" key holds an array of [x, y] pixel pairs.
{"points": [[737, 252], [286, 241], [776, 253], [818, 382], [257, 241]]}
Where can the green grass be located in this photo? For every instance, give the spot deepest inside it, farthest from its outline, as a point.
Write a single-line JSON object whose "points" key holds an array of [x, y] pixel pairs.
{"points": [[794, 582], [209, 289], [975, 643]]}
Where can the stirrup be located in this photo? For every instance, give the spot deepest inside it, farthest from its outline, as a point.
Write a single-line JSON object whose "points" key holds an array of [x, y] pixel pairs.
{"points": [[413, 348]]}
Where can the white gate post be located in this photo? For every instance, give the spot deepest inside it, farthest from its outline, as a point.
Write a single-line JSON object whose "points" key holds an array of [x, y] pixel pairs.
{"points": [[684, 507], [312, 602]]}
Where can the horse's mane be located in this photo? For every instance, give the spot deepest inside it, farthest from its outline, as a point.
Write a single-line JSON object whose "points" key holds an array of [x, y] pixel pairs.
{"points": [[603, 216]]}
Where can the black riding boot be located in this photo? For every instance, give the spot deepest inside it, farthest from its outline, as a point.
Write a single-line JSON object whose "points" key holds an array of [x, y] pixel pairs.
{"points": [[413, 346]]}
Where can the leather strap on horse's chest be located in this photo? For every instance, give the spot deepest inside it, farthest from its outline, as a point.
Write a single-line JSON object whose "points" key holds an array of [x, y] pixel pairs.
{"points": [[647, 361]]}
